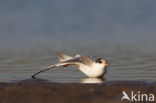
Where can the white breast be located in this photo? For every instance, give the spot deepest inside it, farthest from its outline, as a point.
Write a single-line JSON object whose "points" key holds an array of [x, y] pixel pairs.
{"points": [[96, 70]]}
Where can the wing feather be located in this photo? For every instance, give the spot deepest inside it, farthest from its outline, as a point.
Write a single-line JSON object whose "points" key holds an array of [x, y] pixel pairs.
{"points": [[81, 59], [66, 61], [63, 57]]}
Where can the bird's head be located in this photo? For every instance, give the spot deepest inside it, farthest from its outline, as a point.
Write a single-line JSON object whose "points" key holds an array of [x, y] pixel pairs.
{"points": [[101, 61]]}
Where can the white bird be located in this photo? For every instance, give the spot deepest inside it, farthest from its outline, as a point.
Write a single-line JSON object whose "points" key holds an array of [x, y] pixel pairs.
{"points": [[91, 68]]}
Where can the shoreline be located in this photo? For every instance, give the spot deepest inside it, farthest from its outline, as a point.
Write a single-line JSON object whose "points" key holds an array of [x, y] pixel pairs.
{"points": [[39, 91]]}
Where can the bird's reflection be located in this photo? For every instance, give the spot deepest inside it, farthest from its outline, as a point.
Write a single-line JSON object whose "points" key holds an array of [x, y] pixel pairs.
{"points": [[93, 80], [85, 80]]}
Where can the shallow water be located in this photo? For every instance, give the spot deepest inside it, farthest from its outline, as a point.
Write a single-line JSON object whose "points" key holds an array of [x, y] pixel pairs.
{"points": [[124, 65], [121, 32]]}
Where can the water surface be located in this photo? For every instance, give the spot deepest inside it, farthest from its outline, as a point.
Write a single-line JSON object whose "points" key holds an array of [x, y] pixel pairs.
{"points": [[123, 32], [124, 64]]}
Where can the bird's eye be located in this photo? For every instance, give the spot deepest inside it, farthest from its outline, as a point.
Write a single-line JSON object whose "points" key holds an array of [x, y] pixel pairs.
{"points": [[99, 60]]}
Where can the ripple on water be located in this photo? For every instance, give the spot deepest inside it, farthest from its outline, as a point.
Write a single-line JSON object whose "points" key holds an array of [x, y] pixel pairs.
{"points": [[124, 66]]}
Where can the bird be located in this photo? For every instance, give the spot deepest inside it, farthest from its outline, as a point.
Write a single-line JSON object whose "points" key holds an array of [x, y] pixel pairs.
{"points": [[91, 68]]}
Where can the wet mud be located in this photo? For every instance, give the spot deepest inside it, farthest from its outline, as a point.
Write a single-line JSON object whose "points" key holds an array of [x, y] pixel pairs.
{"points": [[39, 91]]}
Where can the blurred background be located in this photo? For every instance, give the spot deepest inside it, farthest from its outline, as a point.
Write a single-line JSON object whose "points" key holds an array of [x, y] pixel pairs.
{"points": [[123, 32]]}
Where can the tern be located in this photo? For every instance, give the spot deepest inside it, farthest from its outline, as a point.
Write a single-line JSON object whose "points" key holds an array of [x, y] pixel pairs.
{"points": [[91, 68]]}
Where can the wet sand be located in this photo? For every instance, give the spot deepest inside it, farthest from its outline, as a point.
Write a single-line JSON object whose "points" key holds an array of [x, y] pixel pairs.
{"points": [[38, 91]]}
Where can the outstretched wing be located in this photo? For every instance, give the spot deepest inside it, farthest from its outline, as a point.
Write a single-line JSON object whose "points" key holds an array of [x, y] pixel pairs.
{"points": [[74, 61], [80, 59], [45, 69]]}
